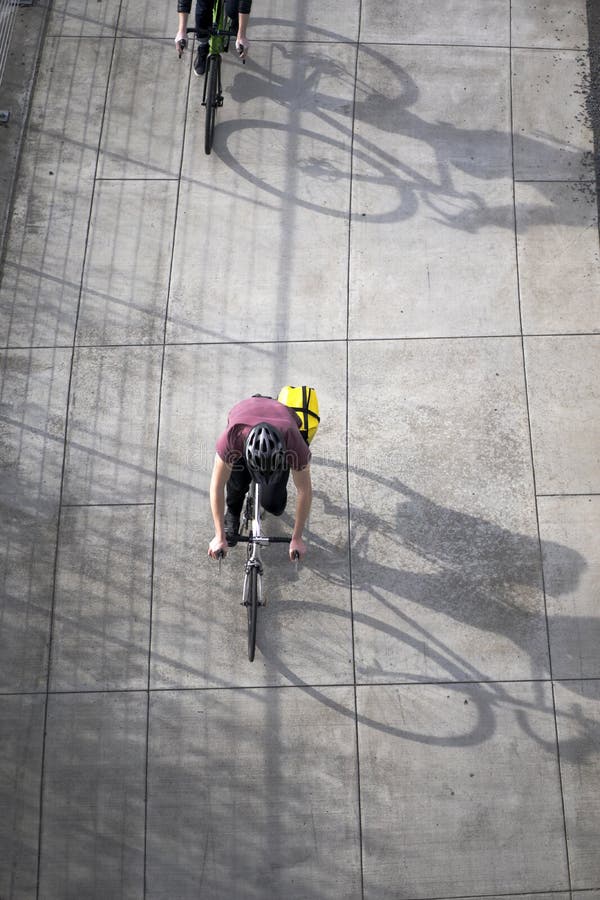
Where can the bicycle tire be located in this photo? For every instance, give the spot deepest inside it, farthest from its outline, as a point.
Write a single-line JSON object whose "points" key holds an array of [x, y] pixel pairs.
{"points": [[212, 87], [252, 602]]}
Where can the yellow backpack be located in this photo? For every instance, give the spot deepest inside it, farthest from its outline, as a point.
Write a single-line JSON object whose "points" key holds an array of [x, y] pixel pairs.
{"points": [[303, 401]]}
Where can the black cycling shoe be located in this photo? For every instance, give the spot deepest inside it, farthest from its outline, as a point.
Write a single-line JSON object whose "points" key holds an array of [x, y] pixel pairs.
{"points": [[232, 528], [200, 58]]}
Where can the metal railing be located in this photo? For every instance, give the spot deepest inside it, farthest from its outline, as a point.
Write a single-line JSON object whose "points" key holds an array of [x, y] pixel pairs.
{"points": [[8, 12]]}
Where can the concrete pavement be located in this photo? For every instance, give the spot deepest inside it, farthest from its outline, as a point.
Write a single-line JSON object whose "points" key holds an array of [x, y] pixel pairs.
{"points": [[400, 209]]}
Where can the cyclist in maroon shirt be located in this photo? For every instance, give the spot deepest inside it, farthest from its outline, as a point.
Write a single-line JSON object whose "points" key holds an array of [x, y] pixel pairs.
{"points": [[237, 10], [232, 474]]}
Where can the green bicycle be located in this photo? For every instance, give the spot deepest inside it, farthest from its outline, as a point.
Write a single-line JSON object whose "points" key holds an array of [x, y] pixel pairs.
{"points": [[220, 34]]}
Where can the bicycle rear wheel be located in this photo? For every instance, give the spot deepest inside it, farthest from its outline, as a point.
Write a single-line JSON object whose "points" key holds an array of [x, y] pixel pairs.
{"points": [[212, 91], [252, 600]]}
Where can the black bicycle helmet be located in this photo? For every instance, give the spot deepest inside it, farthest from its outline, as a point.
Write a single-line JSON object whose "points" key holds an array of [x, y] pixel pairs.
{"points": [[264, 452]]}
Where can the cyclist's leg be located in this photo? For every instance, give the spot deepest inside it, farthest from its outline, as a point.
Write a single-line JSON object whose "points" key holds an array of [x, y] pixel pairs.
{"points": [[274, 496], [232, 11], [203, 23], [203, 18], [237, 487]]}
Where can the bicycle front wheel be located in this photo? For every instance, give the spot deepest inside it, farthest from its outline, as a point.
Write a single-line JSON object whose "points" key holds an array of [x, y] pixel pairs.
{"points": [[212, 90], [252, 592]]}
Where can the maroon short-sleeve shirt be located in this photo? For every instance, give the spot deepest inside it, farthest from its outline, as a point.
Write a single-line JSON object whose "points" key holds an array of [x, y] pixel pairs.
{"points": [[248, 413]]}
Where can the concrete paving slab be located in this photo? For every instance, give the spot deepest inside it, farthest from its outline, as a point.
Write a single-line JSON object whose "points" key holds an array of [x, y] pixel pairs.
{"points": [[578, 720], [454, 275], [278, 227], [552, 133], [37, 309], [113, 421], [553, 895], [559, 259], [33, 411], [432, 175], [247, 817], [93, 803], [46, 246], [563, 378], [46, 241], [139, 18], [572, 603], [83, 18], [34, 404], [26, 566], [21, 735], [69, 97], [102, 606], [446, 568], [145, 112], [462, 22], [304, 20], [486, 825], [199, 628], [126, 279], [549, 23], [428, 114]]}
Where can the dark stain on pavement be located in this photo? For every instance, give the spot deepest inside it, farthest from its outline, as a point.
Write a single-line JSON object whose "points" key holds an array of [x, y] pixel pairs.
{"points": [[593, 95]]}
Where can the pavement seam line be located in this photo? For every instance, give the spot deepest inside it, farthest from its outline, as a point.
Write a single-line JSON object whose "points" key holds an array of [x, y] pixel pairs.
{"points": [[347, 454], [73, 347], [532, 458], [164, 346]]}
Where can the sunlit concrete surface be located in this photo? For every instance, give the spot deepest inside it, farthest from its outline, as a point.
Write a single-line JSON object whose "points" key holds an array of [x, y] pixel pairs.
{"points": [[400, 209]]}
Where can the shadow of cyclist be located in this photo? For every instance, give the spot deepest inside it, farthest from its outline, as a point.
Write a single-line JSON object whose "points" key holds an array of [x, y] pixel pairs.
{"points": [[385, 105], [464, 567]]}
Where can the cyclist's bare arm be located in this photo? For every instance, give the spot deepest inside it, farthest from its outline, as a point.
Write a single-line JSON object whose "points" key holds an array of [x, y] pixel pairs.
{"points": [[303, 483], [242, 43], [181, 36], [219, 478]]}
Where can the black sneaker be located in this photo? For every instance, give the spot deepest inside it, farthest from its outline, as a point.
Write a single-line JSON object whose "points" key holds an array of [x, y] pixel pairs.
{"points": [[200, 58], [232, 528]]}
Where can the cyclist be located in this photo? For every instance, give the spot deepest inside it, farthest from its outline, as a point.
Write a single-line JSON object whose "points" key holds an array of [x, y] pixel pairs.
{"points": [[237, 10], [263, 441]]}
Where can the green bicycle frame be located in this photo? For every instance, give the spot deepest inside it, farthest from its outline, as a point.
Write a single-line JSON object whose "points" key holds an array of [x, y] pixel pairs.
{"points": [[220, 32]]}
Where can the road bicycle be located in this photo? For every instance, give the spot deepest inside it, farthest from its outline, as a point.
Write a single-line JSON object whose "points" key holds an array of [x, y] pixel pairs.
{"points": [[252, 597], [219, 35]]}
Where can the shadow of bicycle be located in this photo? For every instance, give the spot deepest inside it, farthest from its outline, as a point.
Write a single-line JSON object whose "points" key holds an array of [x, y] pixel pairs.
{"points": [[345, 122], [427, 568]]}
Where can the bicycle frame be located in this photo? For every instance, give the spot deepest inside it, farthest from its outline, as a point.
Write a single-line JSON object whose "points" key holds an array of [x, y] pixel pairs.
{"points": [[253, 569], [212, 95], [220, 30], [256, 538]]}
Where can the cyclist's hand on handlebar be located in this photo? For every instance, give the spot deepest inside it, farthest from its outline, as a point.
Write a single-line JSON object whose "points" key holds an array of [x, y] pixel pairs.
{"points": [[217, 548], [180, 43], [297, 549], [242, 46]]}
